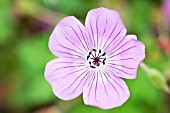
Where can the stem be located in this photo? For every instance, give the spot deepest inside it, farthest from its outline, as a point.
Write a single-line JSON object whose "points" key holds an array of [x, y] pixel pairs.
{"points": [[145, 67]]}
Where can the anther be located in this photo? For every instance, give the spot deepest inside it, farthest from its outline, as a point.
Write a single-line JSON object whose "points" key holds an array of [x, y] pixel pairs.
{"points": [[94, 50], [100, 51], [92, 67], [88, 57], [104, 61], [104, 54]]}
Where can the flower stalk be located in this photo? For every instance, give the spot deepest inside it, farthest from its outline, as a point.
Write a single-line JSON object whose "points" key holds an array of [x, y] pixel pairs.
{"points": [[145, 67]]}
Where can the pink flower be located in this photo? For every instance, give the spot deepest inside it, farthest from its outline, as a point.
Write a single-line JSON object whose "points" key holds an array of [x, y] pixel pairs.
{"points": [[93, 59], [166, 10]]}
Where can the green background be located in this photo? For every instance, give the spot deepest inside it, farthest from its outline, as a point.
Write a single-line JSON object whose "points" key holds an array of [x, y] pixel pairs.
{"points": [[25, 27]]}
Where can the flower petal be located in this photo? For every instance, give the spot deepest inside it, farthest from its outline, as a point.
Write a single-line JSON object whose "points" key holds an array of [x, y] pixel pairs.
{"points": [[66, 77], [105, 28], [105, 91], [126, 57], [69, 39]]}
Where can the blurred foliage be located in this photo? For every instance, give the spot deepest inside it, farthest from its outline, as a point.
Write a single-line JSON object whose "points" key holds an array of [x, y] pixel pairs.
{"points": [[32, 87], [139, 16], [25, 27], [6, 22], [79, 8]]}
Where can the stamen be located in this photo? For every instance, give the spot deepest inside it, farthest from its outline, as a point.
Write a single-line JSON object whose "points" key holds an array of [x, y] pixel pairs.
{"points": [[104, 54], [99, 53], [93, 55], [89, 53], [104, 61], [94, 50], [95, 61], [101, 58], [88, 57], [92, 67]]}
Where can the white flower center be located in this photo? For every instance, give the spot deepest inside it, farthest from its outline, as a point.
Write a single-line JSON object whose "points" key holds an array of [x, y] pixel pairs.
{"points": [[96, 59]]}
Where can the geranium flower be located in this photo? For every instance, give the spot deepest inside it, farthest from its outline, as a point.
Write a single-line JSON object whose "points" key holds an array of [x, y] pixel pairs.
{"points": [[93, 59], [166, 10]]}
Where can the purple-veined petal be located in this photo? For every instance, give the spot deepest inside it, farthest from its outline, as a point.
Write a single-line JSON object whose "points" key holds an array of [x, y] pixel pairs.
{"points": [[73, 73], [105, 28], [69, 39], [126, 57], [66, 77], [104, 90]]}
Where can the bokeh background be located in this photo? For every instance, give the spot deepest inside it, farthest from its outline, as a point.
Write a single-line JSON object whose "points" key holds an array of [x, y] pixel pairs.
{"points": [[25, 27]]}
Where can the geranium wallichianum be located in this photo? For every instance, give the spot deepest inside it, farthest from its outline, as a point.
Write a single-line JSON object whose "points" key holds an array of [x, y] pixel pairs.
{"points": [[93, 59]]}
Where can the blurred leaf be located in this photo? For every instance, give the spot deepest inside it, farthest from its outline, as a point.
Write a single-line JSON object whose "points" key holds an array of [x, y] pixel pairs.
{"points": [[78, 8], [6, 23], [32, 88], [139, 15]]}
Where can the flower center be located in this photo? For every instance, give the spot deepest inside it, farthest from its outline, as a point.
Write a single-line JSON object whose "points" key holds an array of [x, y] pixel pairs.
{"points": [[96, 58]]}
